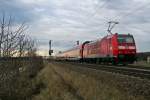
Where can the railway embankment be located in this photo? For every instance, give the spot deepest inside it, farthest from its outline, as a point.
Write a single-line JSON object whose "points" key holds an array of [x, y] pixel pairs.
{"points": [[74, 82]]}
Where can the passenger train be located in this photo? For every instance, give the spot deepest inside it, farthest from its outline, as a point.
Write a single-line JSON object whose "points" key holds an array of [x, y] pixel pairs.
{"points": [[114, 48]]}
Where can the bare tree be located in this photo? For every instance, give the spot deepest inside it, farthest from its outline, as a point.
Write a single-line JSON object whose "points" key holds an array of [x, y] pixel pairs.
{"points": [[22, 42], [13, 41], [2, 32], [31, 47]]}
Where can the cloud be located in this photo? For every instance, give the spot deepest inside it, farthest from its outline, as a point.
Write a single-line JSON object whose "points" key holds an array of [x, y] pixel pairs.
{"points": [[66, 21]]}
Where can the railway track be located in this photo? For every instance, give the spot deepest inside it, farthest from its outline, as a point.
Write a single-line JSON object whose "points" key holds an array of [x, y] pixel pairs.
{"points": [[125, 70]]}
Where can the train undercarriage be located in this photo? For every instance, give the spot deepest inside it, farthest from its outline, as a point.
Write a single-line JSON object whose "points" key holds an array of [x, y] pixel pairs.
{"points": [[120, 59]]}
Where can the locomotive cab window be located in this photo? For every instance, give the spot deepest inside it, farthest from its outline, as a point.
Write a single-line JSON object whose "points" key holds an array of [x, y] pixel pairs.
{"points": [[125, 39]]}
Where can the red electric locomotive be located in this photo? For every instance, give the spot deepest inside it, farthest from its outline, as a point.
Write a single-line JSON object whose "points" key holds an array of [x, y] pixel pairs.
{"points": [[114, 48]]}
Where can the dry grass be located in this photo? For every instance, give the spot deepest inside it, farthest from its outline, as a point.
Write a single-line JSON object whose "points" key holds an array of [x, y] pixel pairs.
{"points": [[17, 78], [64, 83], [142, 63], [55, 87], [91, 88]]}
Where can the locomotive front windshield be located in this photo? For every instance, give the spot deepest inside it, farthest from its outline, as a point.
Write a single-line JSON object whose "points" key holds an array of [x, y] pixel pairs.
{"points": [[125, 39]]}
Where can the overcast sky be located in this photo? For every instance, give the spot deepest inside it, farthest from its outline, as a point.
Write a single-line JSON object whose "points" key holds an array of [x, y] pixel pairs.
{"points": [[66, 21]]}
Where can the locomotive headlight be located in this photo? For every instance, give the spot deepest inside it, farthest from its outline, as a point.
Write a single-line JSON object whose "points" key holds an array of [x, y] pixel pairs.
{"points": [[121, 47], [131, 47]]}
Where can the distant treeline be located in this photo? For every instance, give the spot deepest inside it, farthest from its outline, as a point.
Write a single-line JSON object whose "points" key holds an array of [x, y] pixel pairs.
{"points": [[143, 55]]}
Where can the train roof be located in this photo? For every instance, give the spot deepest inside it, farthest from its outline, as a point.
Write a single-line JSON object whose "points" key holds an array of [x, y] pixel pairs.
{"points": [[99, 39], [71, 49]]}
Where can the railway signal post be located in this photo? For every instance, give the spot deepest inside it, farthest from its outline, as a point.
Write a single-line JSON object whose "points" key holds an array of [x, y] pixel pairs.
{"points": [[50, 50]]}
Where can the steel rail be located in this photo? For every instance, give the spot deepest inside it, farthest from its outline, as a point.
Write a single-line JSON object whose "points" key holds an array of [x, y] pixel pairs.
{"points": [[125, 70]]}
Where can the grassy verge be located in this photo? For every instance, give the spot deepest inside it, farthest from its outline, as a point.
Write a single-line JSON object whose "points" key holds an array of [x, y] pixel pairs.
{"points": [[68, 82], [92, 88], [55, 87]]}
